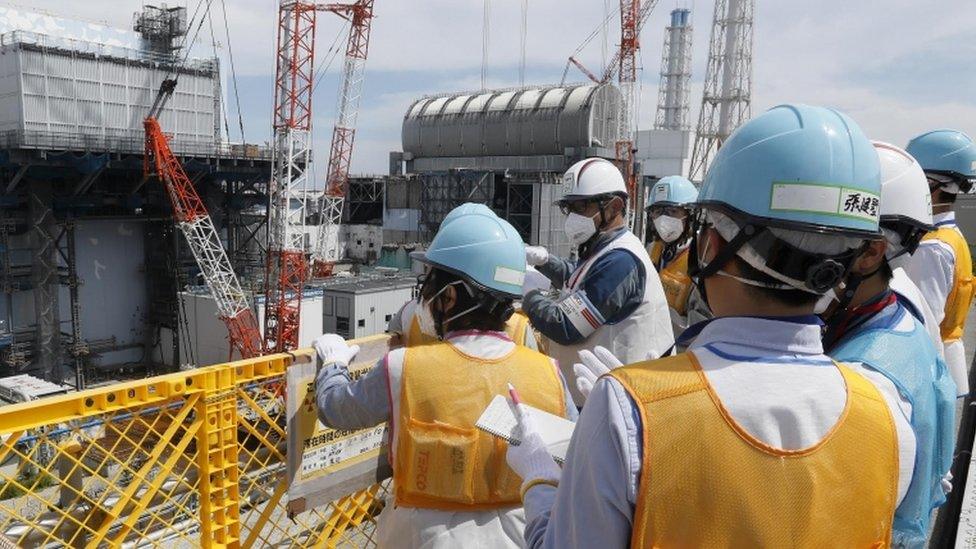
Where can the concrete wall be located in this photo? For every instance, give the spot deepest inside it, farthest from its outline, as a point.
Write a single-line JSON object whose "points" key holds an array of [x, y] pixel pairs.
{"points": [[208, 334], [664, 152], [368, 313], [112, 296], [361, 242]]}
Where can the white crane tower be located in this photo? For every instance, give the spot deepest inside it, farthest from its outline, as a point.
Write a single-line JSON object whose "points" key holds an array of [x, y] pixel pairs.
{"points": [[727, 98]]}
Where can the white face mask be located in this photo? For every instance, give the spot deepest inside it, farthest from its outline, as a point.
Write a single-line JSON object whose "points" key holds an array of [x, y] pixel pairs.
{"points": [[425, 319], [825, 302], [669, 228], [579, 228]]}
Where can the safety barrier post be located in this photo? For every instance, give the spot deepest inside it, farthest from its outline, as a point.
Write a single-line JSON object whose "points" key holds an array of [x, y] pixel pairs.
{"points": [[217, 459], [71, 479]]}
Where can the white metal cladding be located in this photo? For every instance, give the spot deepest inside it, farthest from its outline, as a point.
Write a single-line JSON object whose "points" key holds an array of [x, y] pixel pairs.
{"points": [[521, 122], [63, 92], [20, 19]]}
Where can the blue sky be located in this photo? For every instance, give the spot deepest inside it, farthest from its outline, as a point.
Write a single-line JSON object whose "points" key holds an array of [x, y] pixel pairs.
{"points": [[899, 67]]}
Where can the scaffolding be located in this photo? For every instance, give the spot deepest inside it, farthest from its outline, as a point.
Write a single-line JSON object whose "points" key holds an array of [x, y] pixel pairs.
{"points": [[160, 27], [727, 97]]}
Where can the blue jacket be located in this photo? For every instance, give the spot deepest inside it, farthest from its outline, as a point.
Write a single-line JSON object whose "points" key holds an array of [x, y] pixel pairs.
{"points": [[614, 285], [895, 344]]}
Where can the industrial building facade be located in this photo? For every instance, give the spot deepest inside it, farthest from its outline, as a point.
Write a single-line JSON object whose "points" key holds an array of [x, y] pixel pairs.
{"points": [[91, 264]]}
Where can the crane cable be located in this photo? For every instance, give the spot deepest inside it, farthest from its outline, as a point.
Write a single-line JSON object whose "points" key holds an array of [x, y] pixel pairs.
{"points": [[586, 42], [223, 108], [331, 54], [175, 70], [233, 73]]}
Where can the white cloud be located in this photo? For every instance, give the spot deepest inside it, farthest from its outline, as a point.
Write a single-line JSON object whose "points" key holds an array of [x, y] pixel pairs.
{"points": [[851, 55]]}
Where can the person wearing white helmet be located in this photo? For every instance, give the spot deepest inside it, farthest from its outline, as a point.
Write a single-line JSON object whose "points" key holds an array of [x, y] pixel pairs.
{"points": [[612, 296], [753, 437], [451, 486], [518, 328], [906, 216], [878, 328], [942, 267]]}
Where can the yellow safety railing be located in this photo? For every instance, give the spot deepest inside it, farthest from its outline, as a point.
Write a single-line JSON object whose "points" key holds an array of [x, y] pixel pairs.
{"points": [[195, 458]]}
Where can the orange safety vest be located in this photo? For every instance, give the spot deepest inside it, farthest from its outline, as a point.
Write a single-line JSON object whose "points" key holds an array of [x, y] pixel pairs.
{"points": [[515, 327], [961, 296], [442, 461], [706, 482], [674, 278]]}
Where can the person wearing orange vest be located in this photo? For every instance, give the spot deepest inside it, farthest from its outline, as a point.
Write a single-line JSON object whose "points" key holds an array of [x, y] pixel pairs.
{"points": [[753, 437], [670, 235], [406, 324], [451, 484], [942, 267], [517, 327]]}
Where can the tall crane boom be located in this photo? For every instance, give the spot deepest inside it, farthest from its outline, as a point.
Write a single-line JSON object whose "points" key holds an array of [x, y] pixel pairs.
{"points": [[360, 16], [629, 44], [287, 266], [201, 234]]}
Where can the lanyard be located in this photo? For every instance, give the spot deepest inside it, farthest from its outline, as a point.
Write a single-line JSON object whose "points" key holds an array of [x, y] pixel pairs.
{"points": [[856, 316]]}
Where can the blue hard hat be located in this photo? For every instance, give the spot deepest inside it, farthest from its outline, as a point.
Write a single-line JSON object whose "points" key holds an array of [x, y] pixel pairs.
{"points": [[482, 249], [464, 209], [673, 190], [798, 167], [946, 152]]}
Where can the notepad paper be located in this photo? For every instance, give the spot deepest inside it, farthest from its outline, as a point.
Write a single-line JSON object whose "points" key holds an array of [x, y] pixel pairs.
{"points": [[500, 419]]}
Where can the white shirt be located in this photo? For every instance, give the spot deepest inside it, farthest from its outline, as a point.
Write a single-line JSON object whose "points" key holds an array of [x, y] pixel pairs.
{"points": [[903, 286], [932, 269]]}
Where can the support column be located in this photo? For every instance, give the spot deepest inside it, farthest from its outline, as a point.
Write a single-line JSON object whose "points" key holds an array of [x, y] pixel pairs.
{"points": [[78, 347], [44, 277]]}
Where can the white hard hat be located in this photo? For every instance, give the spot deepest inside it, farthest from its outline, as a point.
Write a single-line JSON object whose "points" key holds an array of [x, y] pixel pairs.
{"points": [[904, 189], [593, 177], [906, 202]]}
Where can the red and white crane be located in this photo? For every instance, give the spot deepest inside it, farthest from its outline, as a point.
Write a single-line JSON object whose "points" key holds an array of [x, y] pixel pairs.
{"points": [[288, 266], [633, 15], [360, 16], [233, 304]]}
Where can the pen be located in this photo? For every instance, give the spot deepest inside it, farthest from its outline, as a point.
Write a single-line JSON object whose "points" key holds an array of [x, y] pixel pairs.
{"points": [[514, 394]]}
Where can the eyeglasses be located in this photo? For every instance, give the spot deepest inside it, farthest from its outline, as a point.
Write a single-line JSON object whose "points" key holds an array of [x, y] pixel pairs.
{"points": [[670, 211], [575, 206]]}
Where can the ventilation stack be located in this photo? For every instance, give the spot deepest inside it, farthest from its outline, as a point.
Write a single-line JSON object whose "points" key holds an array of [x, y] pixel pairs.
{"points": [[675, 87]]}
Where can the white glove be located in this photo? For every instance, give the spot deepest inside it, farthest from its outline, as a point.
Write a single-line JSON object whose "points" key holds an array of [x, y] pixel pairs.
{"points": [[594, 365], [534, 280], [536, 255], [531, 459], [331, 348]]}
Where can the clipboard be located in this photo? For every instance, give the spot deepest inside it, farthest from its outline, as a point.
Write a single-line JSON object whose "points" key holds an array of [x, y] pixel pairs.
{"points": [[501, 420]]}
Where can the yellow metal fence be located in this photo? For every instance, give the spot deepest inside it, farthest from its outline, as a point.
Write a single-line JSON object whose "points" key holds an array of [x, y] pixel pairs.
{"points": [[181, 460]]}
